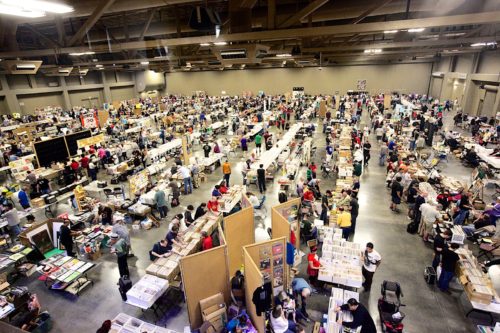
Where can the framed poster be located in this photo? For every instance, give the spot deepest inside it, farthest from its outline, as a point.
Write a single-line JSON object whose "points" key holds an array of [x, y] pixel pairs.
{"points": [[361, 86]]}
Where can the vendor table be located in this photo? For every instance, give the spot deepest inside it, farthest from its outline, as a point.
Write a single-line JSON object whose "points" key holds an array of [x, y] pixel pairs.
{"points": [[146, 292], [66, 274]]}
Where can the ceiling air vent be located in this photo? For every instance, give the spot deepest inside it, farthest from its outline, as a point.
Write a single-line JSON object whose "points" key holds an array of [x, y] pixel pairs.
{"points": [[233, 54]]}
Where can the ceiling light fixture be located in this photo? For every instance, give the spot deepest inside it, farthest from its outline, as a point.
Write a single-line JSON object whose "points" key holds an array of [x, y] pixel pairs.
{"points": [[204, 44], [77, 54], [17, 11], [220, 43], [390, 31], [217, 31], [373, 51], [144, 63], [39, 5], [26, 66], [98, 66], [416, 30], [484, 44], [283, 55]]}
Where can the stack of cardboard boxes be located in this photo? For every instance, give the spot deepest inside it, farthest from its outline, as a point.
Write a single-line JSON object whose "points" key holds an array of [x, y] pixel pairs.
{"points": [[213, 309]]}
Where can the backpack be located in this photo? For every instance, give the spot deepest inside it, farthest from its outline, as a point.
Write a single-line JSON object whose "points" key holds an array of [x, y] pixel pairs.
{"points": [[412, 228], [282, 197], [174, 202]]}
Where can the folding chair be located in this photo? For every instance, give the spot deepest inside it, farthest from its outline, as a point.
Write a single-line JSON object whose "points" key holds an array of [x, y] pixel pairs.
{"points": [[487, 250]]}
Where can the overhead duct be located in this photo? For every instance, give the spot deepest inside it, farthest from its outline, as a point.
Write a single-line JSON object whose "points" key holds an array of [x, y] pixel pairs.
{"points": [[241, 54], [491, 88], [19, 67], [59, 71], [204, 19]]}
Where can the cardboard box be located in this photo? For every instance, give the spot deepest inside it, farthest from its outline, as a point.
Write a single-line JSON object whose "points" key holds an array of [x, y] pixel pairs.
{"points": [[38, 202], [94, 256], [213, 309]]}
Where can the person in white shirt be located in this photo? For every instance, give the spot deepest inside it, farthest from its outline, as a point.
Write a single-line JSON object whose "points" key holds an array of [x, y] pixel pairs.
{"points": [[261, 234], [13, 221], [430, 215], [279, 323], [186, 176], [371, 261], [253, 199]]}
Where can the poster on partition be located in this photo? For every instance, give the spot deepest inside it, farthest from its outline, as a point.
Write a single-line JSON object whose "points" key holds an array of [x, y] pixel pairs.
{"points": [[361, 85], [89, 120]]}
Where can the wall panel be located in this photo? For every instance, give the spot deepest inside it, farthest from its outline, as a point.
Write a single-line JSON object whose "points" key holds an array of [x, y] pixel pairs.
{"points": [[490, 63], [402, 77], [464, 63], [4, 108], [77, 96], [28, 103], [122, 93], [18, 81]]}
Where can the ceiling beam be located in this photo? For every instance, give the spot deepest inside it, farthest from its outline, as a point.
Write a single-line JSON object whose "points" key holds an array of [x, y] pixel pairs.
{"points": [[370, 10], [271, 14], [301, 14], [248, 4], [147, 24], [60, 30], [46, 39], [91, 21], [393, 45], [285, 34]]}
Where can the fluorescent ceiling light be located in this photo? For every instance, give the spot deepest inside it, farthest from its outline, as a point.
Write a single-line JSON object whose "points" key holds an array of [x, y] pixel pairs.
{"points": [[26, 66], [38, 5], [283, 55], [144, 63], [226, 53], [416, 30], [390, 31], [18, 11], [77, 54], [220, 43], [484, 44], [98, 66], [63, 71], [204, 44], [372, 51]]}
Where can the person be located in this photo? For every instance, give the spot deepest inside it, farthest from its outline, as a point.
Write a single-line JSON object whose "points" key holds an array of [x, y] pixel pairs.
{"points": [[449, 259], [176, 191], [24, 200], [344, 222], [258, 142], [207, 149], [371, 261], [313, 266], [121, 230], [280, 323], [301, 288], [325, 206], [345, 198], [188, 215], [43, 185], [186, 176], [106, 214], [13, 221], [171, 238], [396, 194], [464, 208], [354, 208], [161, 203], [200, 210], [360, 317], [483, 220], [222, 187], [314, 168], [439, 246], [254, 201], [366, 152], [207, 242], [213, 205], [160, 250], [120, 248], [92, 170], [244, 145], [226, 170], [66, 237], [261, 178], [358, 169], [430, 215], [383, 154], [261, 234], [216, 191], [32, 180], [216, 148]]}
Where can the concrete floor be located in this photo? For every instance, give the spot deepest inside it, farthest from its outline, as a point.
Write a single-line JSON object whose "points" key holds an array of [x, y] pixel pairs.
{"points": [[404, 258]]}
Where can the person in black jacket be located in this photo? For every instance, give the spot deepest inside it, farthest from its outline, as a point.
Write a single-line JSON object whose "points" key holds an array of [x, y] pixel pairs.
{"points": [[261, 178], [360, 316]]}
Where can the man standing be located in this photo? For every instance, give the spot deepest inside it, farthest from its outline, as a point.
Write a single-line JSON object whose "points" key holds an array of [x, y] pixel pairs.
{"points": [[448, 262], [344, 222], [206, 149], [66, 237], [383, 154], [258, 142], [430, 215], [465, 207], [161, 203], [121, 230], [120, 248], [354, 212], [302, 288], [396, 194], [24, 200], [261, 178], [371, 260], [226, 170], [32, 180], [439, 246], [366, 152], [207, 242], [186, 176]]}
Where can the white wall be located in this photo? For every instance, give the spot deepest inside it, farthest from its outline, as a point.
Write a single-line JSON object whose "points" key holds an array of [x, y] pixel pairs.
{"points": [[490, 63], [380, 78], [464, 63], [28, 103], [77, 96], [122, 93]]}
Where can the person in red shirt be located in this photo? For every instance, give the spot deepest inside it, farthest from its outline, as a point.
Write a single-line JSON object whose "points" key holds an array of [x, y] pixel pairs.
{"points": [[313, 169], [84, 162], [207, 242], [308, 196], [313, 266], [223, 187], [74, 166], [213, 205]]}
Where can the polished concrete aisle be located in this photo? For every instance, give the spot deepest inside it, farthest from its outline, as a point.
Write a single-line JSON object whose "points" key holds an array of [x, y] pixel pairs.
{"points": [[404, 257]]}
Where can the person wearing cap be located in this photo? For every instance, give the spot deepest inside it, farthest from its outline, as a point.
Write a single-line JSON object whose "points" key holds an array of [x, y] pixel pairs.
{"points": [[439, 246], [120, 248], [313, 266], [360, 317], [121, 230]]}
